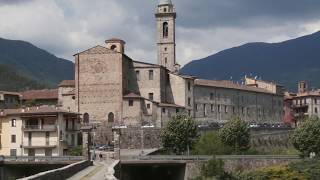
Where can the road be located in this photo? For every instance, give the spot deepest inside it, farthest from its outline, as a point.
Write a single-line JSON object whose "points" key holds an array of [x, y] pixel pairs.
{"points": [[101, 170]]}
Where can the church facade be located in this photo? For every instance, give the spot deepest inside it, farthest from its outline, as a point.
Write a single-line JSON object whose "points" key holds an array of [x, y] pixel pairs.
{"points": [[115, 90]]}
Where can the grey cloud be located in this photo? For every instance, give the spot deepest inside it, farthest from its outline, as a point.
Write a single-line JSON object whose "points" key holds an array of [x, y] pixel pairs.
{"points": [[8, 2]]}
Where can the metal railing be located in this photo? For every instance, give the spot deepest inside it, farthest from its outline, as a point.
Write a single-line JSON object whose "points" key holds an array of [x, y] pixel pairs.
{"points": [[205, 157], [41, 158], [40, 127]]}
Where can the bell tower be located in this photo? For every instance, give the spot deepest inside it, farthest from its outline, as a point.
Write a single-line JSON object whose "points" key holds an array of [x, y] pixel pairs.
{"points": [[166, 40]]}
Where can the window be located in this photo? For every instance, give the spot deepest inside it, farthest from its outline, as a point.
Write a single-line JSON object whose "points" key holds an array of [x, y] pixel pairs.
{"points": [[212, 108], [138, 75], [166, 60], [13, 152], [13, 138], [163, 110], [177, 110], [150, 74], [47, 138], [86, 118], [189, 86], [211, 96], [219, 108], [204, 110], [242, 109], [316, 110], [189, 112], [148, 106], [233, 110], [113, 47], [189, 101], [196, 107], [165, 30], [164, 9], [151, 96], [165, 49], [111, 117], [130, 102], [305, 101], [226, 109], [315, 101], [13, 123]]}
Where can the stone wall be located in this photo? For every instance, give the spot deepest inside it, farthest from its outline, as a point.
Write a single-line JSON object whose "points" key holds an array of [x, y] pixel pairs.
{"points": [[131, 138], [239, 163], [262, 140]]}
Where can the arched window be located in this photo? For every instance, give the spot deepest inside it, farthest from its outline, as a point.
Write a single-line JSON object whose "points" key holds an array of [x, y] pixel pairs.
{"points": [[165, 29], [85, 118], [111, 117], [113, 47]]}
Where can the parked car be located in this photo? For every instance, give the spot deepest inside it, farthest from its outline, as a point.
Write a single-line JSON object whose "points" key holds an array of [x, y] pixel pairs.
{"points": [[254, 125]]}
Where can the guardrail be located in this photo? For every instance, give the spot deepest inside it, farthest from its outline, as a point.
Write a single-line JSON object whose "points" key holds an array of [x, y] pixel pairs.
{"points": [[41, 158], [205, 157]]}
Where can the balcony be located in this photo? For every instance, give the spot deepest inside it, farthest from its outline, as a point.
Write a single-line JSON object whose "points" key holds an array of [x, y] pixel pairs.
{"points": [[38, 128], [30, 145]]}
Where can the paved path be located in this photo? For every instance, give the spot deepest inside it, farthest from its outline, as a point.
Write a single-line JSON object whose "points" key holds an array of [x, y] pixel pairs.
{"points": [[101, 170]]}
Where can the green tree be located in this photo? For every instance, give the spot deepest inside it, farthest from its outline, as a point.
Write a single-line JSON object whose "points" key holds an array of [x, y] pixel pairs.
{"points": [[306, 138], [180, 134], [236, 133], [211, 144]]}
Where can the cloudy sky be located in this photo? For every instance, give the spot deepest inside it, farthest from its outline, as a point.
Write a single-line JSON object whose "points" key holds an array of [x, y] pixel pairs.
{"points": [[204, 27]]}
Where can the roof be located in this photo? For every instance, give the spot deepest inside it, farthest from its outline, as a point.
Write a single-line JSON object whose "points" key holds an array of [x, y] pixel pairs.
{"points": [[149, 64], [67, 83], [40, 94], [164, 2], [97, 50], [115, 40], [132, 95], [10, 93], [40, 110], [229, 85], [169, 105]]}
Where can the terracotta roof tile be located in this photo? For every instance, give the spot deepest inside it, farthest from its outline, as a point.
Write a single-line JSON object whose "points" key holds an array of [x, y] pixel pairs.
{"points": [[229, 85], [40, 94], [34, 111]]}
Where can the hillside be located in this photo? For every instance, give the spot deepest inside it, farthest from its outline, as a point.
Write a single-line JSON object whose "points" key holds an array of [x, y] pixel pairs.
{"points": [[13, 81], [286, 62], [38, 67]]}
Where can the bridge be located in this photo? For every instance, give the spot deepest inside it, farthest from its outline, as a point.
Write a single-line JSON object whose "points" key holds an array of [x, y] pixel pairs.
{"points": [[14, 167], [184, 167], [7, 160]]}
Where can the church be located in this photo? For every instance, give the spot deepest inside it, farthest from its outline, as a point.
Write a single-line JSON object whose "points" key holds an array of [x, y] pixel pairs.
{"points": [[116, 90]]}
